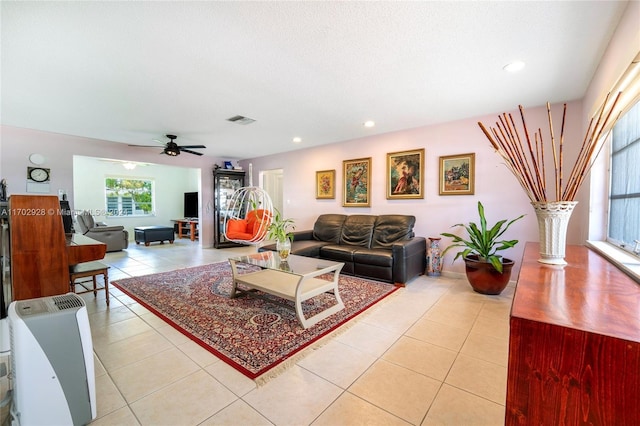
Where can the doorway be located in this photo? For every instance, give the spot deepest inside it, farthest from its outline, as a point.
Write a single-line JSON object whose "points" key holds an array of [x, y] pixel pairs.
{"points": [[271, 181]]}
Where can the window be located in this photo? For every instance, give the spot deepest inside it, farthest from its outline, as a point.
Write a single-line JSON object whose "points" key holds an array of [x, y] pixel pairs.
{"points": [[624, 195], [129, 197]]}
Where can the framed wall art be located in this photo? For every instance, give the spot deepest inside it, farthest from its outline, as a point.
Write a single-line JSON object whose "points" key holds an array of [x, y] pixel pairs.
{"points": [[405, 174], [326, 184], [457, 174], [356, 186]]}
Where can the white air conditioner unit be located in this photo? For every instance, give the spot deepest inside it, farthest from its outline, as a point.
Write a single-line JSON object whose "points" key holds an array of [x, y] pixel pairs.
{"points": [[52, 361]]}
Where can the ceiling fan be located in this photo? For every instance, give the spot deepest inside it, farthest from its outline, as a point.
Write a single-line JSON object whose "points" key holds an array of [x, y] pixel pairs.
{"points": [[173, 149]]}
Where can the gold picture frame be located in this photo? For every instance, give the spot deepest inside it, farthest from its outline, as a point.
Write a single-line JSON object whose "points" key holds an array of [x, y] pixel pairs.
{"points": [[405, 174], [457, 174], [356, 188], [325, 184]]}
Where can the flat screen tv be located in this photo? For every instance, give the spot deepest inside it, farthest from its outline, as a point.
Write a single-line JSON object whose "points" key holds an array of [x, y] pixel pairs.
{"points": [[190, 205]]}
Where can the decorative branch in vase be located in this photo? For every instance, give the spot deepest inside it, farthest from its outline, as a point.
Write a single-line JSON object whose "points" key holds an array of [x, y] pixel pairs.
{"points": [[528, 166]]}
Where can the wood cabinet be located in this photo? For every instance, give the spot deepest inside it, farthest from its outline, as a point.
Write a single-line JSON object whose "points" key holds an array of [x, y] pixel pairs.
{"points": [[225, 183], [574, 346]]}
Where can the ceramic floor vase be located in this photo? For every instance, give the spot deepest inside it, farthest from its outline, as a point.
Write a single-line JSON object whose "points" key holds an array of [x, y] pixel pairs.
{"points": [[434, 257]]}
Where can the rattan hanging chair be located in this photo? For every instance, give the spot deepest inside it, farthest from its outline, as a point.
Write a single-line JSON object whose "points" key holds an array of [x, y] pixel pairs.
{"points": [[250, 214]]}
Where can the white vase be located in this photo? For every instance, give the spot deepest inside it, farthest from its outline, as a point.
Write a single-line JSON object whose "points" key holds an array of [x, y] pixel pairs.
{"points": [[553, 219]]}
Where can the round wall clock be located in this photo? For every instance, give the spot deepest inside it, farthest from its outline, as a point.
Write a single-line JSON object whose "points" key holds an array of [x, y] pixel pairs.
{"points": [[38, 174]]}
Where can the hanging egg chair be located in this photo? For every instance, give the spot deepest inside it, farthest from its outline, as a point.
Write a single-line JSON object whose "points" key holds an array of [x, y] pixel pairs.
{"points": [[251, 212]]}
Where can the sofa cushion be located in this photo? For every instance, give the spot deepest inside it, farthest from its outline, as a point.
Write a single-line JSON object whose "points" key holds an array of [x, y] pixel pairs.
{"points": [[328, 227], [379, 257], [309, 248], [338, 253], [390, 228], [357, 230]]}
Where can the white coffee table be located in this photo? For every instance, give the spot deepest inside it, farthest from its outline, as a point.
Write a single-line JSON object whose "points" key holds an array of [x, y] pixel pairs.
{"points": [[293, 279]]}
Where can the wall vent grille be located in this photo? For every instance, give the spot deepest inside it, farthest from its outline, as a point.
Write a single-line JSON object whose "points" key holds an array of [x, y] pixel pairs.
{"points": [[239, 119]]}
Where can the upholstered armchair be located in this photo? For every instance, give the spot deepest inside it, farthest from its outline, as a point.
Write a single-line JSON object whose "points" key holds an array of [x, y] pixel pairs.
{"points": [[115, 237]]}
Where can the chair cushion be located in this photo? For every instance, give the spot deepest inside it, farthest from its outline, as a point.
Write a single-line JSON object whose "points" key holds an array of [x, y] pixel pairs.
{"points": [[253, 228], [237, 229], [258, 222]]}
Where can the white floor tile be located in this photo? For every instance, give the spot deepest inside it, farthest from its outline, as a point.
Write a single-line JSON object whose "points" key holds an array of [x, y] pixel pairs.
{"points": [[387, 368]]}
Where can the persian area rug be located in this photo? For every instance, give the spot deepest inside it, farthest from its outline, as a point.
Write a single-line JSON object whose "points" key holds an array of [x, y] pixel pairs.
{"points": [[251, 334]]}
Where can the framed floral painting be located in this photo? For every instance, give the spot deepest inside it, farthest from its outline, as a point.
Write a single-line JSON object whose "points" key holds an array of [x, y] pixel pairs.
{"points": [[326, 184], [457, 174], [356, 185], [405, 174]]}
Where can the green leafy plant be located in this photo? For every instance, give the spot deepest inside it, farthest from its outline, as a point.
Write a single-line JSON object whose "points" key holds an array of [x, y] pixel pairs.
{"points": [[482, 240], [280, 228]]}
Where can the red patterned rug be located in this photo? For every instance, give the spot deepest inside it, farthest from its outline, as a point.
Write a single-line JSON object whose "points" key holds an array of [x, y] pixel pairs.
{"points": [[251, 334]]}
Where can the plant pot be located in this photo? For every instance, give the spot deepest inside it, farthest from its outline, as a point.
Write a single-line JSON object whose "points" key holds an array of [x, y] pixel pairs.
{"points": [[484, 278], [284, 248]]}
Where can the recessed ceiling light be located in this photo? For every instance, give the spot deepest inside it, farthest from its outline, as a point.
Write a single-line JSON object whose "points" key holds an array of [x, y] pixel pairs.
{"points": [[369, 123], [514, 66], [297, 140]]}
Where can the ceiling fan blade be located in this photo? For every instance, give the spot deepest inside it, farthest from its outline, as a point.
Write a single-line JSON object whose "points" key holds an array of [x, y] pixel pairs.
{"points": [[145, 146], [192, 146], [189, 151]]}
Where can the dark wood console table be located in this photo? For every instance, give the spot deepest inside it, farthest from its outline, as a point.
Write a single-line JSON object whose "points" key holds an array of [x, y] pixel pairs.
{"points": [[574, 346]]}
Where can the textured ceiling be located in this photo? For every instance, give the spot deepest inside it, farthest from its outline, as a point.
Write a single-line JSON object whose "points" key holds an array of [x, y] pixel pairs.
{"points": [[131, 72]]}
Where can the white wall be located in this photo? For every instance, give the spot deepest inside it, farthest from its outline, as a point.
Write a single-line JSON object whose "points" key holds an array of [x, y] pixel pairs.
{"points": [[170, 185], [495, 186], [18, 144], [622, 49]]}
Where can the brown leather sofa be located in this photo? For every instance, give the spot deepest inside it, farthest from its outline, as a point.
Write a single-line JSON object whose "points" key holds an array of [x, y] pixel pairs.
{"points": [[380, 247]]}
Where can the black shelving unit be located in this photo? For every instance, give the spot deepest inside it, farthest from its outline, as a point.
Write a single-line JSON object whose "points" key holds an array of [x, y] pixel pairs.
{"points": [[225, 183]]}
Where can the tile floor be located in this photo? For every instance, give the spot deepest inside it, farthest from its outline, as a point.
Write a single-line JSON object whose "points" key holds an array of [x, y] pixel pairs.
{"points": [[434, 353]]}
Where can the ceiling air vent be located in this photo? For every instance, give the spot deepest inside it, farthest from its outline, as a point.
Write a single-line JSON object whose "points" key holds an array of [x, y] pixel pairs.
{"points": [[239, 119]]}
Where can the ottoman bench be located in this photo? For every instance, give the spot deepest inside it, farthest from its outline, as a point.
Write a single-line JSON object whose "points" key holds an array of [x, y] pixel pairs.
{"points": [[150, 234]]}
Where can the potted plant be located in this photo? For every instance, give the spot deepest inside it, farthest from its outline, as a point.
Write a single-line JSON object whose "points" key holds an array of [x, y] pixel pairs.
{"points": [[487, 272], [281, 230]]}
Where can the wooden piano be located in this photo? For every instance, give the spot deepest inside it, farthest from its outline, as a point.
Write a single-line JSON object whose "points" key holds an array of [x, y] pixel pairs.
{"points": [[40, 251]]}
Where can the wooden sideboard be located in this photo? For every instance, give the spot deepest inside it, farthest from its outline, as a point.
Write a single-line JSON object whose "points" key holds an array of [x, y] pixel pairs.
{"points": [[40, 251], [574, 346]]}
